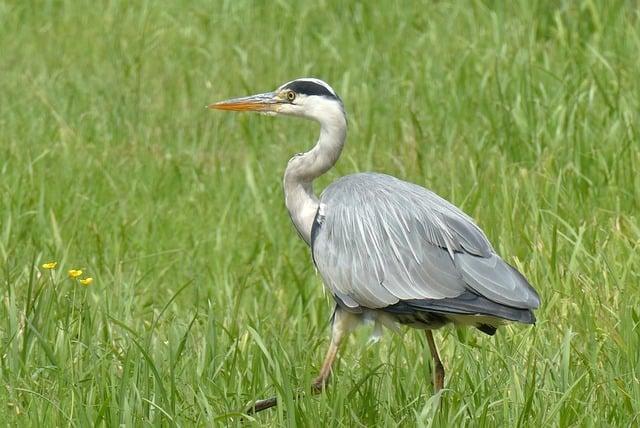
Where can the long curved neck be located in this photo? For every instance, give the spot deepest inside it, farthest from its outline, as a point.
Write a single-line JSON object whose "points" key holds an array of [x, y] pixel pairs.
{"points": [[302, 169]]}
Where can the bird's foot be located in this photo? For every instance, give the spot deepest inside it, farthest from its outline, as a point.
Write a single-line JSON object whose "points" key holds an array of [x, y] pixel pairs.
{"points": [[318, 385]]}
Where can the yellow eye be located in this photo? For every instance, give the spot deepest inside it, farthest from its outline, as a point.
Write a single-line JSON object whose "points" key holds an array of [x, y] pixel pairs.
{"points": [[291, 96]]}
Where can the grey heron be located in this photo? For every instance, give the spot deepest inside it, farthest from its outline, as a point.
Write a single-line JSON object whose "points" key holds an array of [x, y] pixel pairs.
{"points": [[387, 250]]}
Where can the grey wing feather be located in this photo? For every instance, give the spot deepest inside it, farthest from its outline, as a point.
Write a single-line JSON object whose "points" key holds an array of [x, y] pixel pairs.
{"points": [[381, 241], [496, 280]]}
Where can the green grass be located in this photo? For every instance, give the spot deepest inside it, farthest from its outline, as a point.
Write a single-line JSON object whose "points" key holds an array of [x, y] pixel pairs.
{"points": [[204, 298]]}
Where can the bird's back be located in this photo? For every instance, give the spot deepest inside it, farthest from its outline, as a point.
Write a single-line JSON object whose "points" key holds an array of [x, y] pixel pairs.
{"points": [[382, 243]]}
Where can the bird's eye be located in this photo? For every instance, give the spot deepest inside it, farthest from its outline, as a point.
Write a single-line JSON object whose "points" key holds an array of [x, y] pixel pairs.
{"points": [[291, 96]]}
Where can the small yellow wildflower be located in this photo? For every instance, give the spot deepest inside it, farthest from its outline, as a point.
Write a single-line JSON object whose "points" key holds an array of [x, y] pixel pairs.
{"points": [[49, 265], [86, 281], [74, 273]]}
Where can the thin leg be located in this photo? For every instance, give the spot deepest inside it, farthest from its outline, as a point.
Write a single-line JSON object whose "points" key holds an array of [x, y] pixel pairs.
{"points": [[343, 323], [325, 372], [438, 369]]}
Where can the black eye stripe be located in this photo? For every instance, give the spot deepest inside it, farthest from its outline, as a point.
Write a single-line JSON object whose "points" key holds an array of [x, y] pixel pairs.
{"points": [[309, 88]]}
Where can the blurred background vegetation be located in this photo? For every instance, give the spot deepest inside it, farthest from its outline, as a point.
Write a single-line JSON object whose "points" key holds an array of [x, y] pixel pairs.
{"points": [[523, 113]]}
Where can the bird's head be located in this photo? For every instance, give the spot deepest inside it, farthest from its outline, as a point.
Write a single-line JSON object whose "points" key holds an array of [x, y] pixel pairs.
{"points": [[307, 97]]}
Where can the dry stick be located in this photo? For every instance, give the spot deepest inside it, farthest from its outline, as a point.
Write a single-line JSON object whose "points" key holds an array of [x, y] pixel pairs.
{"points": [[267, 403], [261, 405]]}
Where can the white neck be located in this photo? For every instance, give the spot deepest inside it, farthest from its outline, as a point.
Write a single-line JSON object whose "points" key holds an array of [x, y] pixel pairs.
{"points": [[302, 169]]}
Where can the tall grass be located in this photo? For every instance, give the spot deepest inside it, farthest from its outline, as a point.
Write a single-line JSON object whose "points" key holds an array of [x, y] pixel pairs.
{"points": [[523, 113]]}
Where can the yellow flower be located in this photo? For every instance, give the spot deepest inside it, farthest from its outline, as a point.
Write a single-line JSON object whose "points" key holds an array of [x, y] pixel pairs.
{"points": [[50, 265], [86, 281], [74, 273]]}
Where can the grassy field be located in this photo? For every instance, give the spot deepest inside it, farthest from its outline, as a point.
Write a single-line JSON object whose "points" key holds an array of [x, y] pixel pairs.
{"points": [[204, 297]]}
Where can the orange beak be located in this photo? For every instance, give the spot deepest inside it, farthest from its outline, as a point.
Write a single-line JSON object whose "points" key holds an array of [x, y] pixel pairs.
{"points": [[261, 102]]}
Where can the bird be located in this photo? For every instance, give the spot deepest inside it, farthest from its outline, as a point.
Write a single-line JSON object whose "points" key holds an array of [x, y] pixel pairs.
{"points": [[388, 251]]}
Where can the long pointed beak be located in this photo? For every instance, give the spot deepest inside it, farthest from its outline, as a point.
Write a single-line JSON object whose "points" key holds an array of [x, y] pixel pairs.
{"points": [[261, 102]]}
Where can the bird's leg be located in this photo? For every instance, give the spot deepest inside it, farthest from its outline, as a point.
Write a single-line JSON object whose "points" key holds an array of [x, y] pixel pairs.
{"points": [[438, 369], [343, 323], [325, 372], [318, 384]]}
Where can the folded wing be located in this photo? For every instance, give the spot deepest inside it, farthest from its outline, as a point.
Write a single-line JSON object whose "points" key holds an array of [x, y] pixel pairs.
{"points": [[378, 241]]}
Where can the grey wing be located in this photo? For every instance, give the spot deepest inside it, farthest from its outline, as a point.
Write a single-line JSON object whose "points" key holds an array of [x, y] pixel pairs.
{"points": [[378, 241]]}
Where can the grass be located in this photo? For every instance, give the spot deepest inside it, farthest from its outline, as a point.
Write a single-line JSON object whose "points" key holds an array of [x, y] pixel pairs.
{"points": [[523, 113]]}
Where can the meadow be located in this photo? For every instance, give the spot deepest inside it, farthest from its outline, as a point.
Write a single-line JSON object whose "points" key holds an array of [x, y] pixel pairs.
{"points": [[524, 113]]}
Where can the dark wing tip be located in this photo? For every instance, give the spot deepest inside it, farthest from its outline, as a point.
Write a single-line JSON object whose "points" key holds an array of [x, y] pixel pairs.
{"points": [[487, 329], [468, 303]]}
